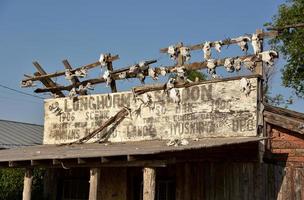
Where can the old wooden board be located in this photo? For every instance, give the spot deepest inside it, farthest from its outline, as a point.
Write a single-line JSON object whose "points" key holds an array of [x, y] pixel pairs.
{"points": [[216, 109]]}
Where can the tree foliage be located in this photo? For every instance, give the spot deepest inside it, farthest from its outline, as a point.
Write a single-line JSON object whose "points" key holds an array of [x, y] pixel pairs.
{"points": [[290, 43], [11, 184]]}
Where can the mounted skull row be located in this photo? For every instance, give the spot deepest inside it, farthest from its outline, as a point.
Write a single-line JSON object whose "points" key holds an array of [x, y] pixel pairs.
{"points": [[234, 64]]}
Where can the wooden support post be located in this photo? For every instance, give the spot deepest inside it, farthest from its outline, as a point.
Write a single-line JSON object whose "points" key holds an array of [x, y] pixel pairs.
{"points": [[94, 183], [259, 67], [113, 82], [27, 187], [149, 183]]}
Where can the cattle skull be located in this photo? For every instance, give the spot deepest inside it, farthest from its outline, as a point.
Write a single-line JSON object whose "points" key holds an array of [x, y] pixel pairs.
{"points": [[83, 72], [228, 64], [107, 77], [68, 74], [73, 93], [103, 60], [163, 71], [185, 51], [211, 66], [242, 42], [152, 73], [172, 51], [256, 44], [147, 98], [237, 64], [207, 50], [170, 84], [180, 72], [28, 83], [245, 86], [218, 46], [174, 95], [268, 57], [249, 64]]}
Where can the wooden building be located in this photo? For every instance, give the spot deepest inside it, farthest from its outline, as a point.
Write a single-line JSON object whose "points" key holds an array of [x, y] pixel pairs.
{"points": [[259, 160], [181, 140]]}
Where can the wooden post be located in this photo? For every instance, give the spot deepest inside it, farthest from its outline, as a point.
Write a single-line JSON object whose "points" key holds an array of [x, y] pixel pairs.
{"points": [[113, 83], [94, 183], [27, 187], [149, 184], [259, 67]]}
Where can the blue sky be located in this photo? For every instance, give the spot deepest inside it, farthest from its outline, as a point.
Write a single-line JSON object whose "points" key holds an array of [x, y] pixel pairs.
{"points": [[50, 31]]}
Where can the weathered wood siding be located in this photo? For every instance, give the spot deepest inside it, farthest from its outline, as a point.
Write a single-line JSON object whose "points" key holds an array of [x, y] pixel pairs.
{"points": [[218, 109], [238, 181]]}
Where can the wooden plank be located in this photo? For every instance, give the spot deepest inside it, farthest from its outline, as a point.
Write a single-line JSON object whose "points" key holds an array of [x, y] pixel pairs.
{"points": [[94, 183], [114, 184], [284, 122], [61, 73], [229, 41], [149, 179], [27, 186], [179, 168], [113, 82], [47, 81]]}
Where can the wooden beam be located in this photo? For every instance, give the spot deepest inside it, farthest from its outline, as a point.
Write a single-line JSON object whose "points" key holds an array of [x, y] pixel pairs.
{"points": [[94, 183], [170, 69], [149, 183], [47, 82], [299, 25], [284, 122], [227, 41], [61, 73], [27, 187], [113, 82]]}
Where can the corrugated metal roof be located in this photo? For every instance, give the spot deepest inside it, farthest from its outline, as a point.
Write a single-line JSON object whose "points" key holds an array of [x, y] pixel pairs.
{"points": [[14, 134], [45, 152]]}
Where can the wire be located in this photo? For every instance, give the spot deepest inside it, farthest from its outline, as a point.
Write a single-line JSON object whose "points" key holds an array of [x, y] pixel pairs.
{"points": [[20, 92]]}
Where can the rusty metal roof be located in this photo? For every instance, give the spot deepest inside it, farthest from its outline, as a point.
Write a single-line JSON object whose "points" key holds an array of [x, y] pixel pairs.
{"points": [[153, 147], [16, 134]]}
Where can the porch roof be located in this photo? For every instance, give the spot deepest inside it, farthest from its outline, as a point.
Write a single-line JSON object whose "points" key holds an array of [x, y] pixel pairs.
{"points": [[127, 151]]}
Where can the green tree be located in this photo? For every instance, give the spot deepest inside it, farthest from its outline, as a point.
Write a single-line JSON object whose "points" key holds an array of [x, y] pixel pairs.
{"points": [[290, 43], [11, 184]]}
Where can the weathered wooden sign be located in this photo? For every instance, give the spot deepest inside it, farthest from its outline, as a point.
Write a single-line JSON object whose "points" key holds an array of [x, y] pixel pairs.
{"points": [[218, 109]]}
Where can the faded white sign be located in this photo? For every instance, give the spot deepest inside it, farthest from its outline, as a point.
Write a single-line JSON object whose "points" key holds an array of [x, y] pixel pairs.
{"points": [[219, 109]]}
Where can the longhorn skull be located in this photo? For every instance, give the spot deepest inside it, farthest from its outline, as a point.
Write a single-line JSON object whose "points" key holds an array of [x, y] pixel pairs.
{"points": [[211, 66], [237, 64], [218, 46], [249, 64], [207, 50], [172, 51], [152, 73], [268, 57], [83, 72], [107, 77], [174, 95], [256, 44], [245, 86], [163, 71], [242, 42], [180, 71], [185, 51], [228, 64], [103, 60], [73, 93]]}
